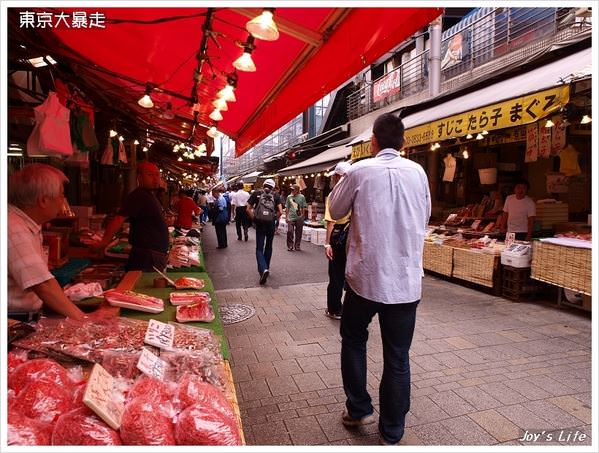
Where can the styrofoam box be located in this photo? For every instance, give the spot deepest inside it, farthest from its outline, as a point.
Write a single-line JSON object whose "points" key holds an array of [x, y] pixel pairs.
{"points": [[519, 261], [321, 236], [307, 234], [314, 236]]}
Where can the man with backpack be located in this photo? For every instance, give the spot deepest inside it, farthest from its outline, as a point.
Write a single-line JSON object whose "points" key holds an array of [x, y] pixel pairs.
{"points": [[264, 208]]}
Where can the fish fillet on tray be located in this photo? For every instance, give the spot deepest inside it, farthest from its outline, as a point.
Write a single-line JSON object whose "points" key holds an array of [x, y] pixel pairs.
{"points": [[134, 301], [189, 297], [189, 283], [195, 312]]}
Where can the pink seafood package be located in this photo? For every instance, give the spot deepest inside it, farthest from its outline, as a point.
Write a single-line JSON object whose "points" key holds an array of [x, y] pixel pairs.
{"points": [[189, 283], [14, 358], [189, 297], [43, 400], [201, 311], [203, 425], [134, 301], [151, 389], [82, 427], [192, 389], [37, 370], [22, 430], [143, 423]]}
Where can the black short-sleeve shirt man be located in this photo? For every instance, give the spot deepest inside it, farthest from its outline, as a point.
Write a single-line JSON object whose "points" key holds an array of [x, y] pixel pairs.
{"points": [[148, 228]]}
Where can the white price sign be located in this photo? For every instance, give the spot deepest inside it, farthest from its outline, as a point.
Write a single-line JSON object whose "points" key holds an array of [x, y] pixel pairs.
{"points": [[151, 364], [160, 334], [98, 397]]}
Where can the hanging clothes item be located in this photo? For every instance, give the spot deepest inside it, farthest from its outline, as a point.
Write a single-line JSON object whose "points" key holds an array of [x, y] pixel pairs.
{"points": [[450, 166], [569, 161], [82, 131], [300, 182], [51, 134], [122, 157], [114, 153], [107, 158]]}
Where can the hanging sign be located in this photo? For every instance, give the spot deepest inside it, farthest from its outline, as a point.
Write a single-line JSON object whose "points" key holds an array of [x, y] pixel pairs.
{"points": [[98, 396], [544, 140], [532, 143], [515, 112], [558, 136], [387, 85], [361, 150]]}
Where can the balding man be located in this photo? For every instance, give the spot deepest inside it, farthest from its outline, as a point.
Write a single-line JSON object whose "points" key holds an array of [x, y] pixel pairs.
{"points": [[36, 196], [148, 233]]}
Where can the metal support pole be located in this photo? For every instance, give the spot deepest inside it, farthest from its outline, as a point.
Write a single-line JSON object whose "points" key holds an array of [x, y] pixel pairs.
{"points": [[434, 85]]}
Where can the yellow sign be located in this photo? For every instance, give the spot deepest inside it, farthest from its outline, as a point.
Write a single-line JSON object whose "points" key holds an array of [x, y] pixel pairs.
{"points": [[360, 151], [515, 112]]}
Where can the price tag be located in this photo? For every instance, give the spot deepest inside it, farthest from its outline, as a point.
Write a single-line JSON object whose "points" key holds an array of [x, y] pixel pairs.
{"points": [[151, 364], [510, 238], [160, 334], [98, 397]]}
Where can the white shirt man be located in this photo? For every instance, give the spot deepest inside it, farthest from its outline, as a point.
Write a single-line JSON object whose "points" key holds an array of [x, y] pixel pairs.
{"points": [[521, 212]]}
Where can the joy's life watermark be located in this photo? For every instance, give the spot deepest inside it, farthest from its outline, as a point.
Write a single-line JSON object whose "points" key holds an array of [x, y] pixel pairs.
{"points": [[563, 435], [76, 19]]}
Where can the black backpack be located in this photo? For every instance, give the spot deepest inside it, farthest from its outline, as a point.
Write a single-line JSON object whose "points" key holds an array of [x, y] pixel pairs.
{"points": [[265, 210]]}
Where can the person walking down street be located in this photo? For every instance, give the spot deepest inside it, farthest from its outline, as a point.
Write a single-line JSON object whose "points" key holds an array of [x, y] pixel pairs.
{"points": [[334, 249], [383, 274], [148, 233], [186, 209], [220, 218], [239, 200], [519, 213], [296, 212], [264, 208], [203, 204]]}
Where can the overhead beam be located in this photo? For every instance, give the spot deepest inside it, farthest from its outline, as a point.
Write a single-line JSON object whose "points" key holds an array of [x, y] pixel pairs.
{"points": [[286, 26]]}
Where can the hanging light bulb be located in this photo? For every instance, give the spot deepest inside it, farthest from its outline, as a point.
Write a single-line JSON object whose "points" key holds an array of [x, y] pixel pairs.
{"points": [[121, 138], [146, 101], [586, 119], [263, 26], [112, 133], [136, 142], [215, 115], [549, 123], [180, 159], [245, 62], [480, 136], [175, 148], [228, 92], [202, 147], [220, 104], [484, 132], [465, 154], [145, 149], [469, 136], [212, 132], [402, 153]]}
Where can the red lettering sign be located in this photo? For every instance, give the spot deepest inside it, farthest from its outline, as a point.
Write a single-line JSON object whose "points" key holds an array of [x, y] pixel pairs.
{"points": [[387, 85]]}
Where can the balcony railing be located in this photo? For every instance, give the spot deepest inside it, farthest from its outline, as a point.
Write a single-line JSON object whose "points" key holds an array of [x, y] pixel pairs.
{"points": [[500, 38]]}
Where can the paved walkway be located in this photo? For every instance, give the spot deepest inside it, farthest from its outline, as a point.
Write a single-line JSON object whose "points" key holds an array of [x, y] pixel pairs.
{"points": [[484, 369]]}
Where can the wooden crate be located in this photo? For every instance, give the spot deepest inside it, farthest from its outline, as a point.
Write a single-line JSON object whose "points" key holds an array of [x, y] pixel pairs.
{"points": [[438, 258], [232, 397], [475, 267], [560, 265]]}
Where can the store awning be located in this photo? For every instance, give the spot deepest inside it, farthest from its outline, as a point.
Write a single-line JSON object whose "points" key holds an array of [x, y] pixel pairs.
{"points": [[320, 162], [318, 49], [250, 177], [522, 99]]}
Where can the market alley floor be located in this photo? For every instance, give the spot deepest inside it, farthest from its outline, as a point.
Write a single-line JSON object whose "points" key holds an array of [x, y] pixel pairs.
{"points": [[484, 370]]}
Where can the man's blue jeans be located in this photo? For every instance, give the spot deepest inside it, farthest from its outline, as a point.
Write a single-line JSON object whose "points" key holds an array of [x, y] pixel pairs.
{"points": [[397, 323], [264, 239]]}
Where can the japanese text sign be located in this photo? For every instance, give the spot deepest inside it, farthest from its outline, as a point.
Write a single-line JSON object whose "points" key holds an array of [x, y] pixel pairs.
{"points": [[160, 334], [387, 85], [98, 396], [151, 364]]}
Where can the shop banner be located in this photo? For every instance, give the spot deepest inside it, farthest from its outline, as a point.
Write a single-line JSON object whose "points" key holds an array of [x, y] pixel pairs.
{"points": [[544, 140], [558, 137], [387, 85], [532, 143], [360, 151], [515, 112]]}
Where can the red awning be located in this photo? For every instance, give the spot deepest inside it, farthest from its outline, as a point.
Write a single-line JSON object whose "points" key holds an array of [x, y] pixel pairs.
{"points": [[318, 49]]}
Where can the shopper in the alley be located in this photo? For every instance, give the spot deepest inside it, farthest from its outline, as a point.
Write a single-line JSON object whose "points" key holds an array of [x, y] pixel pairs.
{"points": [[220, 217], [264, 208], [186, 209], [148, 233], [35, 196], [389, 200], [334, 248], [519, 212], [296, 212], [239, 200]]}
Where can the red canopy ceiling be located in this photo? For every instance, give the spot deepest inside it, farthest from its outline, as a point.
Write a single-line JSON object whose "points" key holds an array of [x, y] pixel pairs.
{"points": [[318, 49]]}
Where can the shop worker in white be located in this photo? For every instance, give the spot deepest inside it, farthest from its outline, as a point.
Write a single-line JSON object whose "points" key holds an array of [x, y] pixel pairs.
{"points": [[389, 199], [519, 212], [35, 196]]}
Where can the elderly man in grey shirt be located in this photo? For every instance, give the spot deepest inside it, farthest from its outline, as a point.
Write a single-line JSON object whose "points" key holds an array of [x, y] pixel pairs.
{"points": [[390, 203]]}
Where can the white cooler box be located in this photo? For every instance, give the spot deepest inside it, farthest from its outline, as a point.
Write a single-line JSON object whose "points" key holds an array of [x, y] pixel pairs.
{"points": [[318, 236], [517, 255], [307, 234]]}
